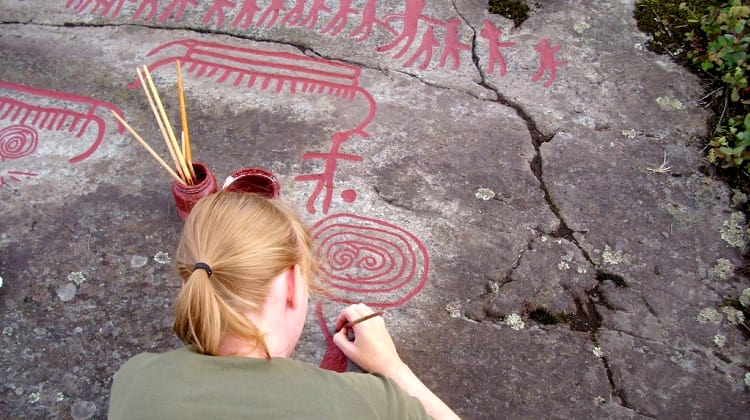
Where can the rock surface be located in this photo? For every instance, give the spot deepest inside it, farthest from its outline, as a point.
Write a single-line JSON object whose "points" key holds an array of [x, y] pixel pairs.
{"points": [[557, 250]]}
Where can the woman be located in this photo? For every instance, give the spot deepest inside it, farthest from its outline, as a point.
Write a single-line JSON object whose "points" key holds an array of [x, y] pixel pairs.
{"points": [[247, 267]]}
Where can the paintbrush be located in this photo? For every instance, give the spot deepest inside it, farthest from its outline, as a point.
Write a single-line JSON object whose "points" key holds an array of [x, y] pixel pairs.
{"points": [[362, 319]]}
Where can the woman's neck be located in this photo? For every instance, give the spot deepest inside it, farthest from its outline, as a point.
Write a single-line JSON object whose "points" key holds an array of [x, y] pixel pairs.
{"points": [[234, 346]]}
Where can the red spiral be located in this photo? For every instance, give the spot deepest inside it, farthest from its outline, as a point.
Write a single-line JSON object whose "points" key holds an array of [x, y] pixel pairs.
{"points": [[369, 260], [17, 141]]}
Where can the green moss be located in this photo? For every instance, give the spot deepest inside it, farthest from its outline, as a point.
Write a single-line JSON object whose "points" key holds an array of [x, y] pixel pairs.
{"points": [[516, 10]]}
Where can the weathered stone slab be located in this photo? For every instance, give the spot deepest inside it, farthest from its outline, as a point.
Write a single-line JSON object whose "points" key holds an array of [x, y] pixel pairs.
{"points": [[661, 381], [491, 378]]}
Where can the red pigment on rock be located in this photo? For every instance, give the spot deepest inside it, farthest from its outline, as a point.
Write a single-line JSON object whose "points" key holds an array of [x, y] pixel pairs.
{"points": [[334, 359]]}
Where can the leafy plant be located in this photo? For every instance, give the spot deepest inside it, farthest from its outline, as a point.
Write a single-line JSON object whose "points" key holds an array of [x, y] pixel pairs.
{"points": [[720, 49]]}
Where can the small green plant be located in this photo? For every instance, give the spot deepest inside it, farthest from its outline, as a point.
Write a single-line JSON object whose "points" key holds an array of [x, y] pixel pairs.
{"points": [[720, 49]]}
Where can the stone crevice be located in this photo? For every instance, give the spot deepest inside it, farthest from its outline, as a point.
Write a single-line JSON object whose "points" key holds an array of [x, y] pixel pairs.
{"points": [[537, 139]]}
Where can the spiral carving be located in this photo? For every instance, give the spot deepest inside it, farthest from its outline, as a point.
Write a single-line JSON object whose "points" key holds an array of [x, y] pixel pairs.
{"points": [[369, 260], [17, 141]]}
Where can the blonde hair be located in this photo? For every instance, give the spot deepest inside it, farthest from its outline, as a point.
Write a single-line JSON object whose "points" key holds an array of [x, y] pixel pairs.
{"points": [[247, 241]]}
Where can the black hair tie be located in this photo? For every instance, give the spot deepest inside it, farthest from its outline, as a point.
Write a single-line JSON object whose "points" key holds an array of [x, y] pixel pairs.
{"points": [[203, 266]]}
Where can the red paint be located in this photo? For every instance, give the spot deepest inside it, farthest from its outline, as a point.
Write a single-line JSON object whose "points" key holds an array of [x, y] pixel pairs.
{"points": [[279, 70], [366, 260], [369, 20], [205, 59], [369, 260], [271, 13], [349, 196], [151, 5], [410, 19], [14, 175], [412, 25], [246, 15], [217, 9], [295, 15], [317, 7], [254, 180], [17, 141], [325, 179], [28, 114], [492, 34], [428, 44], [453, 46], [176, 8], [333, 359], [186, 197], [105, 5], [547, 62], [340, 19]]}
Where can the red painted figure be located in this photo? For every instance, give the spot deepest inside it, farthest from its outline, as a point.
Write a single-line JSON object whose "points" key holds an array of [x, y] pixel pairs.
{"points": [[547, 62], [246, 15], [176, 8], [410, 18], [337, 24], [492, 34], [369, 20], [217, 8], [312, 18], [271, 13], [295, 15], [452, 46], [428, 44], [151, 5]]}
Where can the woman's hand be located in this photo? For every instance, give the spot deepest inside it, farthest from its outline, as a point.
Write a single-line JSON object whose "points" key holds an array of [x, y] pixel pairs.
{"points": [[372, 348]]}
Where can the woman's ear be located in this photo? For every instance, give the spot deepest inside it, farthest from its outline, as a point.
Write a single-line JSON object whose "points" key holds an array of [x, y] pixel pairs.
{"points": [[296, 287]]}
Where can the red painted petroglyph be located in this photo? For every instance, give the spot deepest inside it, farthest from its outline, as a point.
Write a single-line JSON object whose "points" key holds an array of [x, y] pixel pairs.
{"points": [[410, 21], [369, 260], [547, 62], [325, 180], [333, 359], [217, 9], [282, 70], [20, 139], [272, 14], [492, 34], [318, 7], [415, 27], [340, 19], [17, 141], [369, 20], [366, 260], [151, 5], [453, 46], [176, 8]]}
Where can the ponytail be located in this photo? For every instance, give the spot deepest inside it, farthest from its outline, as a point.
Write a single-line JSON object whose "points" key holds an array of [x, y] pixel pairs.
{"points": [[248, 241], [202, 317], [198, 314]]}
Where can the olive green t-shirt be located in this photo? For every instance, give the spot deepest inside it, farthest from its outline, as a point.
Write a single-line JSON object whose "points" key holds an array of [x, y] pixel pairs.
{"points": [[183, 384]]}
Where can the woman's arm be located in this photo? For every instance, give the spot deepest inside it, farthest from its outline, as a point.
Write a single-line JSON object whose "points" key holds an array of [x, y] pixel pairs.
{"points": [[373, 350]]}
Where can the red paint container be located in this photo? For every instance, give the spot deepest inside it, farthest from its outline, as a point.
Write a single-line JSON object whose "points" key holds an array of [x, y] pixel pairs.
{"points": [[253, 180], [185, 196]]}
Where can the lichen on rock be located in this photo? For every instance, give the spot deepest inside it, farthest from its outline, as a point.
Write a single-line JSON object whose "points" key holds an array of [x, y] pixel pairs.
{"points": [[733, 230]]}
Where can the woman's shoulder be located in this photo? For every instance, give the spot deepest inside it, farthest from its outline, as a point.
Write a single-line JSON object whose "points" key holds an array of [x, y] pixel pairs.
{"points": [[277, 385]]}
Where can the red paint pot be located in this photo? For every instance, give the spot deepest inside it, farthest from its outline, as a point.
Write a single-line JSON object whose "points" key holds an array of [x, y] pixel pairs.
{"points": [[253, 180], [185, 196]]}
